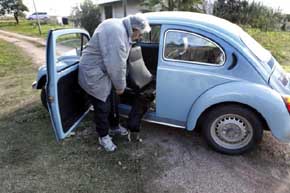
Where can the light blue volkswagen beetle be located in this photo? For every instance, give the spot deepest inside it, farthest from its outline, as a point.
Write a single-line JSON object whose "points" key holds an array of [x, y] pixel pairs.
{"points": [[210, 74]]}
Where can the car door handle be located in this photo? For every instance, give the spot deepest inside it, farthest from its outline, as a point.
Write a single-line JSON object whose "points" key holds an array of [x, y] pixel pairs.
{"points": [[234, 62]]}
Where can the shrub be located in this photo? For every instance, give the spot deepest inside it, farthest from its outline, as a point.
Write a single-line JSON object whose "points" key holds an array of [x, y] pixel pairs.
{"points": [[87, 16], [254, 14]]}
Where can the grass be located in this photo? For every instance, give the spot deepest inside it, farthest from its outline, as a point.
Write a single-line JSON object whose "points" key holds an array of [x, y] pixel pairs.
{"points": [[278, 43], [31, 160], [15, 74], [29, 28]]}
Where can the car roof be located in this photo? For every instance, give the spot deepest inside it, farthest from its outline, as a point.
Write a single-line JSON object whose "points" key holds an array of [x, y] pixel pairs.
{"points": [[210, 23]]}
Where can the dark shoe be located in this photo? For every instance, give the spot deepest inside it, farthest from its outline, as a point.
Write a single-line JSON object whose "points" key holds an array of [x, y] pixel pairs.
{"points": [[119, 130], [134, 137]]}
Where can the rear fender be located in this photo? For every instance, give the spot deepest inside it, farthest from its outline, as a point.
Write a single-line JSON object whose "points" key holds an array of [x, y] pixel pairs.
{"points": [[263, 99]]}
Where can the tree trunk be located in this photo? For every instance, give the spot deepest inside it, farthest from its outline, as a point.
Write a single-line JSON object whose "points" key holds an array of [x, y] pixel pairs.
{"points": [[170, 5], [16, 17]]}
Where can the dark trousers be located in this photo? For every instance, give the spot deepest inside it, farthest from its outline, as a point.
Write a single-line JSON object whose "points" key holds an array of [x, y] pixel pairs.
{"points": [[140, 106], [106, 114]]}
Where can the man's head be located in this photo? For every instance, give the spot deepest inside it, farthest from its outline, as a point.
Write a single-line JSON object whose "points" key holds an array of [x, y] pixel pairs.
{"points": [[139, 25]]}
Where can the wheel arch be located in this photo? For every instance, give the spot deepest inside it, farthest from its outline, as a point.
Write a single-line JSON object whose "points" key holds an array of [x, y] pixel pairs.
{"points": [[228, 103], [264, 101], [41, 82]]}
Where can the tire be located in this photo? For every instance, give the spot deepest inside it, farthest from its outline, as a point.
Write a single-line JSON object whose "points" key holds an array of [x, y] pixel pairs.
{"points": [[43, 98], [232, 129]]}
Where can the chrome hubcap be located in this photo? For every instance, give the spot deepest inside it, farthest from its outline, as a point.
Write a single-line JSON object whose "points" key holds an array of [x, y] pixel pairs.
{"points": [[231, 131]]}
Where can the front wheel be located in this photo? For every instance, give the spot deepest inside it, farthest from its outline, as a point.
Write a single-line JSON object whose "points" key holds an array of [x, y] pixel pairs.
{"points": [[43, 98], [232, 129]]}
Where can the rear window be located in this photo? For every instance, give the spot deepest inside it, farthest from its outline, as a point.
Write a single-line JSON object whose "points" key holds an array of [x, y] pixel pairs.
{"points": [[259, 51]]}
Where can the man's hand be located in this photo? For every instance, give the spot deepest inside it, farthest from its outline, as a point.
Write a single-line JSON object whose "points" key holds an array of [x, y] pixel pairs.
{"points": [[119, 92]]}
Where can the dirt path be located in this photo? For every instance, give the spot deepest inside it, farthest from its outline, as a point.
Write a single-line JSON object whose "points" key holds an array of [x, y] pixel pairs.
{"points": [[33, 47], [189, 166]]}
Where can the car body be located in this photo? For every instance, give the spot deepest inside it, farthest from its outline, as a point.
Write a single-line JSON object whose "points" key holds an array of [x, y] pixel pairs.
{"points": [[40, 15], [210, 74]]}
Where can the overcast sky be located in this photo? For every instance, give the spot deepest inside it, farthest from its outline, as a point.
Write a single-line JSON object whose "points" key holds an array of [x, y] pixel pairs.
{"points": [[52, 7], [63, 7]]}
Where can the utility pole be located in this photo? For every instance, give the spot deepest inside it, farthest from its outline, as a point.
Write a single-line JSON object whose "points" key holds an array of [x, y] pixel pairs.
{"points": [[38, 22], [125, 7]]}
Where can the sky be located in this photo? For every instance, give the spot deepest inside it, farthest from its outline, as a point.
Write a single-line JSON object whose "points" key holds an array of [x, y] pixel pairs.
{"points": [[284, 5], [52, 7], [63, 7]]}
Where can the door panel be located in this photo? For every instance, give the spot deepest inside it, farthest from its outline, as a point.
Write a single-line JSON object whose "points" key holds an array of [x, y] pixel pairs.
{"points": [[192, 62], [67, 102], [72, 100]]}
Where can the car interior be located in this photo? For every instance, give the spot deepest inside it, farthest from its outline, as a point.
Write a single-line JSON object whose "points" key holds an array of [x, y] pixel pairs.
{"points": [[73, 101], [147, 61]]}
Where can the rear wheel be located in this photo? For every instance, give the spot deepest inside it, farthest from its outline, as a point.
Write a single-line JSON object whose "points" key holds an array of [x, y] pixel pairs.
{"points": [[43, 98], [232, 129]]}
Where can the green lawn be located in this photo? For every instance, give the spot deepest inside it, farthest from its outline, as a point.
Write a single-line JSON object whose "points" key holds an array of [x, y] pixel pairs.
{"points": [[278, 43], [31, 160], [16, 73], [29, 28]]}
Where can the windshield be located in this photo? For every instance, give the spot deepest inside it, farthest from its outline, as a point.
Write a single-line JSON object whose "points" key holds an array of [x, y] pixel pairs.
{"points": [[261, 53]]}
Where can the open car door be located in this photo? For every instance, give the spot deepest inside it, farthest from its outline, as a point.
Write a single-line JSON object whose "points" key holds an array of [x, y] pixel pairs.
{"points": [[67, 102]]}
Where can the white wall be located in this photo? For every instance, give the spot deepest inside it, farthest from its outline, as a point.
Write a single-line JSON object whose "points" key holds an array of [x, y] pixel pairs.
{"points": [[133, 6]]}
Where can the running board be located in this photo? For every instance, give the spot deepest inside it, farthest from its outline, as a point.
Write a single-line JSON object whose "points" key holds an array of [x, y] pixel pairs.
{"points": [[152, 118]]}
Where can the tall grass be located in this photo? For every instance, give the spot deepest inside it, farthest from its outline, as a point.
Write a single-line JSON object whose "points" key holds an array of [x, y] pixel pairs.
{"points": [[277, 42], [30, 28]]}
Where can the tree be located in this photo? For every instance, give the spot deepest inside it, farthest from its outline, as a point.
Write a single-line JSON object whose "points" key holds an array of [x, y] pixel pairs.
{"points": [[172, 5], [288, 17], [15, 7], [254, 14], [87, 16]]}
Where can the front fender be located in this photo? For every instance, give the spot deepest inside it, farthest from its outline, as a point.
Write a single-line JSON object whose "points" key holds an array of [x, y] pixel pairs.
{"points": [[40, 75], [263, 99]]}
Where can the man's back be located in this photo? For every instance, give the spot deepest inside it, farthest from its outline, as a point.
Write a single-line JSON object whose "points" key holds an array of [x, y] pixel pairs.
{"points": [[104, 59]]}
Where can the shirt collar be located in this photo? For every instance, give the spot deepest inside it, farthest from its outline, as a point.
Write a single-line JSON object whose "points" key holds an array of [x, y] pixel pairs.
{"points": [[128, 27]]}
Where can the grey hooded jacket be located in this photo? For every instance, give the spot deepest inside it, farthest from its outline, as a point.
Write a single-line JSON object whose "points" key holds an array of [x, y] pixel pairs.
{"points": [[104, 60]]}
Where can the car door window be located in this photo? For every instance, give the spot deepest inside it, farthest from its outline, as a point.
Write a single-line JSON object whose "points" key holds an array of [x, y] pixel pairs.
{"points": [[70, 45], [153, 36], [192, 48]]}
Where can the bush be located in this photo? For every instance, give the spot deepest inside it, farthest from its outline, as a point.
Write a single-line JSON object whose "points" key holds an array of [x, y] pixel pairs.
{"points": [[253, 14], [87, 16]]}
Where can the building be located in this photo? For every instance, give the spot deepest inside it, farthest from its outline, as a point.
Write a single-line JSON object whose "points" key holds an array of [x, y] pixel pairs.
{"points": [[114, 8]]}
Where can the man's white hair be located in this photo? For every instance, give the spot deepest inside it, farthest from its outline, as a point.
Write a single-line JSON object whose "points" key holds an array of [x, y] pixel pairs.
{"points": [[140, 22]]}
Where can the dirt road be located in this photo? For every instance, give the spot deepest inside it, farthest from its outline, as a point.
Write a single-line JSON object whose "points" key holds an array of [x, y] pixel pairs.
{"points": [[34, 47], [168, 161], [190, 166]]}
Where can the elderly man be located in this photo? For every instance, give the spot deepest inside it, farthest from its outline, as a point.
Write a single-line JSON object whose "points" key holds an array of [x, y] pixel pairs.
{"points": [[102, 70]]}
